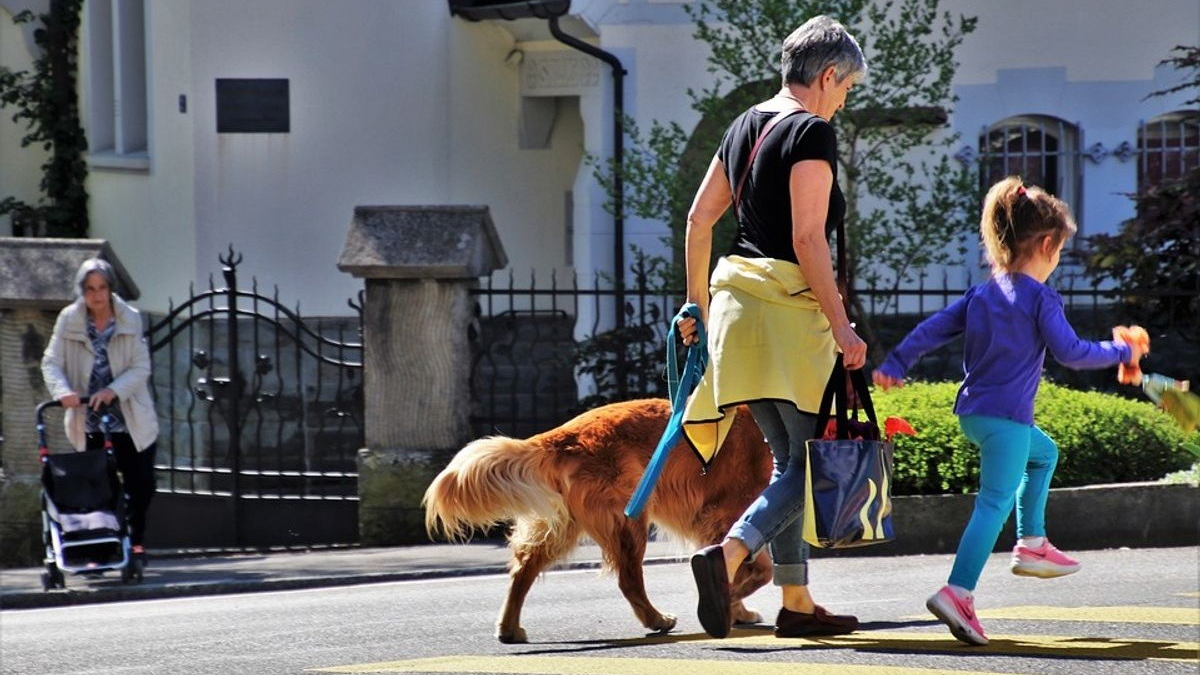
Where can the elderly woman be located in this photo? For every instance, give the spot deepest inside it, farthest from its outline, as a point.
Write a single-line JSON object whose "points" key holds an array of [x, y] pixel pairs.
{"points": [[775, 318], [97, 350]]}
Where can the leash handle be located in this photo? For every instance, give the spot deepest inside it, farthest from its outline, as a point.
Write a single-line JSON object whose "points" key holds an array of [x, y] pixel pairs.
{"points": [[680, 387]]}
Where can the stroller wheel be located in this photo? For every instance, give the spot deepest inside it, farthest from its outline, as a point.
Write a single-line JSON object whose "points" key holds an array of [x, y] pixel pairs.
{"points": [[139, 567], [127, 574], [52, 577]]}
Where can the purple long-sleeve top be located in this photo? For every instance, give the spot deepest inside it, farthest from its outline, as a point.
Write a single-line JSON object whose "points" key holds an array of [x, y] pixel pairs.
{"points": [[1007, 324]]}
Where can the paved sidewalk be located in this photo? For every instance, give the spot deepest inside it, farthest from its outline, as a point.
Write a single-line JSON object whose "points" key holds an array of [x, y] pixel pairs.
{"points": [[1133, 515], [177, 574]]}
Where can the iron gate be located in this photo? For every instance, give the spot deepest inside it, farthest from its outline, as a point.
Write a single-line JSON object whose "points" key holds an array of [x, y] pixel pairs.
{"points": [[261, 420]]}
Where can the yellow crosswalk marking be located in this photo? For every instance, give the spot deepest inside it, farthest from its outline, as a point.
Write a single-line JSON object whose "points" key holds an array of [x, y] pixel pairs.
{"points": [[1051, 646], [1054, 646], [588, 665], [1177, 615], [1046, 646], [1193, 594]]}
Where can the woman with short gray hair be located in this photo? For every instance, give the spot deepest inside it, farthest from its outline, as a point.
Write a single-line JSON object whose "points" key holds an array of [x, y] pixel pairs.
{"points": [[775, 318], [97, 350]]}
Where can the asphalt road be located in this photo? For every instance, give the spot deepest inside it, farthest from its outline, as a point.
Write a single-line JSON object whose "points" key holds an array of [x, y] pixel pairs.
{"points": [[1127, 612]]}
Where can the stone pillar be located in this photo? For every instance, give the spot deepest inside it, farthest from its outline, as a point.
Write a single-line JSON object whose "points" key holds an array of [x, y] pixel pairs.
{"points": [[36, 282], [418, 264]]}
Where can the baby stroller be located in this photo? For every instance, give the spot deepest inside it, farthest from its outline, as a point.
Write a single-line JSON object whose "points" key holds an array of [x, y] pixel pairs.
{"points": [[84, 526]]}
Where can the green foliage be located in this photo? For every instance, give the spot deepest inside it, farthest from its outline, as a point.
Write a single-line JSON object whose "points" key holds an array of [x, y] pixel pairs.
{"points": [[939, 458], [1101, 438], [1167, 224], [889, 149], [1189, 476], [46, 103], [1108, 439], [651, 188], [1186, 58], [1158, 250]]}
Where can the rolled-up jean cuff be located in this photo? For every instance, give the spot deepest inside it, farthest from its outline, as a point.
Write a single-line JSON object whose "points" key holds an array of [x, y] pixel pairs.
{"points": [[750, 537], [791, 574]]}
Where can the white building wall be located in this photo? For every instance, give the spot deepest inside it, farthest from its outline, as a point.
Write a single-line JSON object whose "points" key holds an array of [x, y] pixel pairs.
{"points": [[390, 103], [1095, 40], [149, 215], [1091, 64], [20, 167], [664, 62], [398, 103], [368, 107], [526, 188]]}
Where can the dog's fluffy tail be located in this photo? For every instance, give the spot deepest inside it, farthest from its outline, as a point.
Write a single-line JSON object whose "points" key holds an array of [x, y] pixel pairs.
{"points": [[490, 481]]}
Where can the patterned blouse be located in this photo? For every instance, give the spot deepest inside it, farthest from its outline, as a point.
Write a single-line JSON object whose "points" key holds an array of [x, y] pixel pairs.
{"points": [[102, 376]]}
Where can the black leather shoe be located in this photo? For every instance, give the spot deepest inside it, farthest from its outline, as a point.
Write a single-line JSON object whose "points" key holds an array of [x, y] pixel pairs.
{"points": [[712, 584], [820, 622]]}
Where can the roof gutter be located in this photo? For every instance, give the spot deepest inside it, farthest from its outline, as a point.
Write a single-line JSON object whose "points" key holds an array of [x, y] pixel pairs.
{"points": [[618, 180], [618, 186], [551, 10]]}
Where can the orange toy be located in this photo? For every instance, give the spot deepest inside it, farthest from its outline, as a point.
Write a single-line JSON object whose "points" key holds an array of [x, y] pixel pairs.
{"points": [[1137, 338]]}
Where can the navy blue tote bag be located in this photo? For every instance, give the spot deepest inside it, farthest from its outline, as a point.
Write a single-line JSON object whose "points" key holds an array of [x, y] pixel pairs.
{"points": [[847, 500]]}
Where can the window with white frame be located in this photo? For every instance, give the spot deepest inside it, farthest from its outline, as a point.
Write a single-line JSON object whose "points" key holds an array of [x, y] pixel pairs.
{"points": [[1043, 151], [116, 83], [1168, 148]]}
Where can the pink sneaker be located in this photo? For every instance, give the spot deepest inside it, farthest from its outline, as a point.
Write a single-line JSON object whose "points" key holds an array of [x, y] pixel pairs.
{"points": [[1046, 562], [959, 614]]}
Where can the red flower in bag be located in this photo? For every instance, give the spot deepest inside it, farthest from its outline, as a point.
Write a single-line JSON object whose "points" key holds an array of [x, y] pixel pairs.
{"points": [[897, 425]]}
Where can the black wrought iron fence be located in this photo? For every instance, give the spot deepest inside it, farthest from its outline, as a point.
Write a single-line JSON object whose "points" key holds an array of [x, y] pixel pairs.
{"points": [[261, 412], [545, 353]]}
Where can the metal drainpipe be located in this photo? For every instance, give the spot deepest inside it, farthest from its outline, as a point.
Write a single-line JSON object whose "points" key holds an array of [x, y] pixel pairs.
{"points": [[618, 73]]}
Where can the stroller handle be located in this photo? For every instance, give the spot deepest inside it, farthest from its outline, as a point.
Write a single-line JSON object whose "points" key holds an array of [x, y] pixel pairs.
{"points": [[43, 447], [41, 407]]}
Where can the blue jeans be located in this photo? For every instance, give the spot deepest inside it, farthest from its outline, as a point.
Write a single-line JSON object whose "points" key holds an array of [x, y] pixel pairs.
{"points": [[1016, 463], [774, 518]]}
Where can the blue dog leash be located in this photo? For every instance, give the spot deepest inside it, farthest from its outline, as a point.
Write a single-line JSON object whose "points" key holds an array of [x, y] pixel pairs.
{"points": [[679, 386]]}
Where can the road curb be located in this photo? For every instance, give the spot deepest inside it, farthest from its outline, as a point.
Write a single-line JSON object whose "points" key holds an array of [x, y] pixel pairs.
{"points": [[158, 591]]}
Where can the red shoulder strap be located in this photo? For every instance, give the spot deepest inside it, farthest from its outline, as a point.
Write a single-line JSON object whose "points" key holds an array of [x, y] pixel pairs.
{"points": [[779, 117]]}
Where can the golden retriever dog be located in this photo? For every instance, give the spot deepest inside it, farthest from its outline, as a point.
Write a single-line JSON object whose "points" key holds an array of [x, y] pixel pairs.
{"points": [[575, 480]]}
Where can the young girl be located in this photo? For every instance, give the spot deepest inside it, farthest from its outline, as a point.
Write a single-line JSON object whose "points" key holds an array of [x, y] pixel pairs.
{"points": [[1007, 324]]}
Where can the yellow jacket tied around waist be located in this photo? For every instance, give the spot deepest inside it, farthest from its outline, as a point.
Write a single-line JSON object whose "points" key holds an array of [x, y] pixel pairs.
{"points": [[767, 340]]}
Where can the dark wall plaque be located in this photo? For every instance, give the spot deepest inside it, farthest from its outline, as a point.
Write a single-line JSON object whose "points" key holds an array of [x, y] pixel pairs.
{"points": [[253, 106]]}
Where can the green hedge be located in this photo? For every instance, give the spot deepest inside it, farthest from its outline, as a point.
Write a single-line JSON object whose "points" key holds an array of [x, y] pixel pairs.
{"points": [[1101, 438]]}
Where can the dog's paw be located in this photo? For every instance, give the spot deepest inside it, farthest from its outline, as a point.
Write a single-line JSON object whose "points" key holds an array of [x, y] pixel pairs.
{"points": [[511, 637], [744, 616], [663, 624]]}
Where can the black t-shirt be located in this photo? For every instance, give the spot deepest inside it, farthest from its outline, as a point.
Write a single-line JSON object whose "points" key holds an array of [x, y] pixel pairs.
{"points": [[765, 222]]}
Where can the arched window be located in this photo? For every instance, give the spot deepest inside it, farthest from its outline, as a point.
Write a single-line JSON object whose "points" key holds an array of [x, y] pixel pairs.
{"points": [[1168, 147], [1043, 151]]}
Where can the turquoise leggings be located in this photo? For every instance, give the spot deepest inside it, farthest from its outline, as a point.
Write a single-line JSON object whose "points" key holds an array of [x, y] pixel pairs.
{"points": [[1016, 463]]}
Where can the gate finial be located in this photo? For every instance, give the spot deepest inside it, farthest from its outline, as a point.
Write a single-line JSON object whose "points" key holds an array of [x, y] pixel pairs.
{"points": [[231, 259]]}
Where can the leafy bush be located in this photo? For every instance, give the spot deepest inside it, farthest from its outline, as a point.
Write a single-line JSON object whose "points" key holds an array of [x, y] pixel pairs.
{"points": [[1101, 438], [1186, 477]]}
